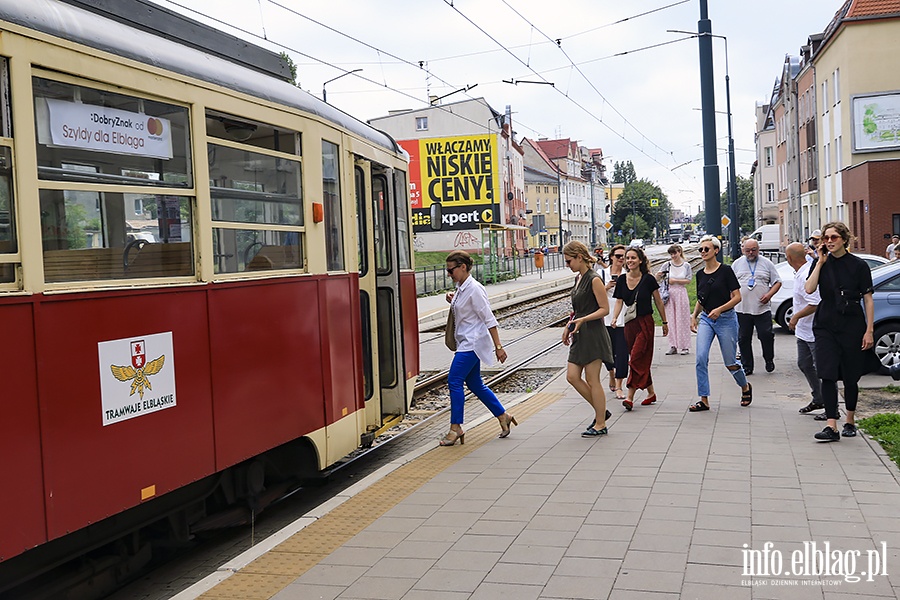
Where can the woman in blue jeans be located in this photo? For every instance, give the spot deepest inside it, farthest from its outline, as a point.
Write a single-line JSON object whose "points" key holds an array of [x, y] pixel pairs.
{"points": [[718, 292], [477, 340]]}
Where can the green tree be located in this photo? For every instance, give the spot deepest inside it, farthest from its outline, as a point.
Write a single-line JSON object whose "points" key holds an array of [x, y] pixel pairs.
{"points": [[746, 222], [623, 172], [635, 198], [292, 66]]}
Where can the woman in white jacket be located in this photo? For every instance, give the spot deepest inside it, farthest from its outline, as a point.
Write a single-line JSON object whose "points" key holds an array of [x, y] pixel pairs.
{"points": [[477, 340]]}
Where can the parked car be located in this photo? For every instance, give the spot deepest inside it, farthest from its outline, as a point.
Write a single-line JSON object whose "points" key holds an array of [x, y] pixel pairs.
{"points": [[886, 283], [637, 243], [783, 300], [694, 238]]}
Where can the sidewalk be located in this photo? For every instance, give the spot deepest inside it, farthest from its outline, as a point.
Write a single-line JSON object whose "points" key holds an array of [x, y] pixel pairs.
{"points": [[670, 504]]}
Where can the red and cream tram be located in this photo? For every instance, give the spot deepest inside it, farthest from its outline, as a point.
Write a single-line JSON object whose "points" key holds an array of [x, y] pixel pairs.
{"points": [[205, 283]]}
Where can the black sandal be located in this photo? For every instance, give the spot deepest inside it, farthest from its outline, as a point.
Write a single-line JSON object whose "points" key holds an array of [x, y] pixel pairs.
{"points": [[747, 397], [811, 407], [698, 406]]}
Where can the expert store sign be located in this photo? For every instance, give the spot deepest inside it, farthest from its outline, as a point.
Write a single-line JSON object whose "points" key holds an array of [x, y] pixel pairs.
{"points": [[101, 129], [461, 173]]}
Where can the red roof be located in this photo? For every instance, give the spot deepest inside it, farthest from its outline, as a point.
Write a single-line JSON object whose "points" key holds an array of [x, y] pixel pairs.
{"points": [[870, 8], [555, 148]]}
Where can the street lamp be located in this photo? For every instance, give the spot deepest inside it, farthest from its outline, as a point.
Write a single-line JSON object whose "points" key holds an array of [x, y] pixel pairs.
{"points": [[324, 99], [732, 176]]}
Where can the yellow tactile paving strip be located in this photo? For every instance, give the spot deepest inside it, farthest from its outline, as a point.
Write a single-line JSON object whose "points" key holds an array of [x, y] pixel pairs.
{"points": [[269, 574]]}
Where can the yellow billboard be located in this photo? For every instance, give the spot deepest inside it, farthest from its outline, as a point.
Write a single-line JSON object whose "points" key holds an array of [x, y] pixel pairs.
{"points": [[461, 173]]}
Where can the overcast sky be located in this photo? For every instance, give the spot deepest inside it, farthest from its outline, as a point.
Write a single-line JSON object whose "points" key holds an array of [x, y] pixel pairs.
{"points": [[641, 106]]}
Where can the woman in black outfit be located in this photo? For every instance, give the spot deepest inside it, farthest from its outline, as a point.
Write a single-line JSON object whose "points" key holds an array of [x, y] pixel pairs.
{"points": [[843, 332]]}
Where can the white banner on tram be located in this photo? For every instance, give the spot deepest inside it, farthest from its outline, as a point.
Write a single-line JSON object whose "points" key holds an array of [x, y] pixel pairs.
{"points": [[102, 129], [137, 376]]}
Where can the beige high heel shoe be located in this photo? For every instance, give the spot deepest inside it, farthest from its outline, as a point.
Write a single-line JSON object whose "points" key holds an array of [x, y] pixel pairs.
{"points": [[504, 424], [451, 438]]}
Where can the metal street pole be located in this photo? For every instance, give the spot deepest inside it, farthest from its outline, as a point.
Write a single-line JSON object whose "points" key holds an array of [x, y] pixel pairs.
{"points": [[708, 105], [734, 226]]}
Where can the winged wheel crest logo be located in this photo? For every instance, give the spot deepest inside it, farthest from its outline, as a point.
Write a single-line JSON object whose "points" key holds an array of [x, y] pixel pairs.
{"points": [[139, 372]]}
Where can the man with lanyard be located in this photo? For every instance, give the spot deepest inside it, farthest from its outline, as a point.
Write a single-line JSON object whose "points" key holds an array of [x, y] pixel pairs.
{"points": [[759, 282], [805, 305]]}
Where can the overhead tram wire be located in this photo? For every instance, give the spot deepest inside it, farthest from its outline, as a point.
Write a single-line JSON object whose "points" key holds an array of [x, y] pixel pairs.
{"points": [[334, 66], [568, 37], [558, 44], [569, 98]]}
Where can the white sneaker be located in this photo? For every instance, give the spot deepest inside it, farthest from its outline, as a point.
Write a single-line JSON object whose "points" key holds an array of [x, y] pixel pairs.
{"points": [[685, 351]]}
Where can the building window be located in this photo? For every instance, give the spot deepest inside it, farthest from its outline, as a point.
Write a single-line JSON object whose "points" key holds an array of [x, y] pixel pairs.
{"points": [[837, 86], [770, 192], [421, 123], [769, 156]]}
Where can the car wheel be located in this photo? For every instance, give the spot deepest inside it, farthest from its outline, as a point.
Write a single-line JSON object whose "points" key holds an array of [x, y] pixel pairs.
{"points": [[887, 346], [784, 313]]}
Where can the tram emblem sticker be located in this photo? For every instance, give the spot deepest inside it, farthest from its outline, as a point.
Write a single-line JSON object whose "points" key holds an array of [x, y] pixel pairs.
{"points": [[137, 376]]}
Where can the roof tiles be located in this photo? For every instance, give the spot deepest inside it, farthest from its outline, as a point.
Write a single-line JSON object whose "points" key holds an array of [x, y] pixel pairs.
{"points": [[871, 8]]}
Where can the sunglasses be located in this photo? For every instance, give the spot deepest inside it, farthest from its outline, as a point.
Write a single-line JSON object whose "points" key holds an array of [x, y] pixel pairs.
{"points": [[451, 269], [704, 250], [620, 256], [831, 238]]}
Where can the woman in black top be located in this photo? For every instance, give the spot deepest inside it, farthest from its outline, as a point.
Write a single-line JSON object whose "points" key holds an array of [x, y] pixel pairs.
{"points": [[640, 287], [718, 292], [843, 333]]}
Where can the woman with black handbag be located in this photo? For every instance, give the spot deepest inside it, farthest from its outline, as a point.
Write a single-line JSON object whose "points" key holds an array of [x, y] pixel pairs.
{"points": [[475, 339]]}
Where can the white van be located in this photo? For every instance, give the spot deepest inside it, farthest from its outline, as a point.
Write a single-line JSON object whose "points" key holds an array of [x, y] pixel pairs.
{"points": [[769, 238]]}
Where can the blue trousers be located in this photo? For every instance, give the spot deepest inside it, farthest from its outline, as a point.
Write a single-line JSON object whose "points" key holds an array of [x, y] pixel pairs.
{"points": [[466, 368], [725, 328]]}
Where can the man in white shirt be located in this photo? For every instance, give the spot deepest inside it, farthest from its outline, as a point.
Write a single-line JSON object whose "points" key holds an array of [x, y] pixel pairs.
{"points": [[895, 240], [804, 307], [759, 282]]}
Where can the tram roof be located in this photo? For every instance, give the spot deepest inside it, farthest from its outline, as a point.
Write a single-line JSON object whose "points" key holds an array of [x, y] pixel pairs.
{"points": [[60, 19]]}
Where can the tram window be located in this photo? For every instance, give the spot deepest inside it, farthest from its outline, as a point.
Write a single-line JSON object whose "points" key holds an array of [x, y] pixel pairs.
{"points": [[8, 244], [331, 199], [250, 187], [5, 108], [253, 133], [113, 132], [90, 235], [243, 250], [401, 194], [381, 216], [366, 321], [387, 349], [362, 235]]}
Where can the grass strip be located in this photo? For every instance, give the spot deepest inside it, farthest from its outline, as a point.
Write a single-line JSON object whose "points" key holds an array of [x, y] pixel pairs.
{"points": [[884, 429]]}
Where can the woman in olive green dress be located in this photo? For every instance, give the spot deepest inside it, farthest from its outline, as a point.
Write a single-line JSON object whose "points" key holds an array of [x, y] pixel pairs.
{"points": [[586, 335]]}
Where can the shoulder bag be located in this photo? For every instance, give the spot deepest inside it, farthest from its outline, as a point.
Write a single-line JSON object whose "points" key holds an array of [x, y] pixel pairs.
{"points": [[631, 309], [450, 331]]}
